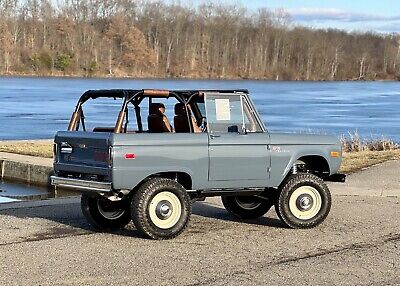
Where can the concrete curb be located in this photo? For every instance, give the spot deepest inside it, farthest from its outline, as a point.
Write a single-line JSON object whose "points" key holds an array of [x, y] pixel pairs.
{"points": [[26, 169]]}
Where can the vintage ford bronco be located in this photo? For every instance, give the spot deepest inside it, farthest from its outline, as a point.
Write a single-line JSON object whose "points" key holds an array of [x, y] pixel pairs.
{"points": [[217, 145]]}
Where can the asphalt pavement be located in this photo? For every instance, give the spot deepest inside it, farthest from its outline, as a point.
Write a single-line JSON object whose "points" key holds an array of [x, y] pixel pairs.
{"points": [[50, 243]]}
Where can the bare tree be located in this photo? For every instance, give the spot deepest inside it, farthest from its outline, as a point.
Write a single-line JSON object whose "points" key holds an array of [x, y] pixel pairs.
{"points": [[154, 38]]}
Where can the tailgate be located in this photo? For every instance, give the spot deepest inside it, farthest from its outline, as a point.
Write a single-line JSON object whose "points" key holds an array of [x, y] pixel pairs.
{"points": [[83, 152]]}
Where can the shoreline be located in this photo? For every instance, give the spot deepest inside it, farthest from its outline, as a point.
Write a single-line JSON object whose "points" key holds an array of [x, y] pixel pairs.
{"points": [[107, 77]]}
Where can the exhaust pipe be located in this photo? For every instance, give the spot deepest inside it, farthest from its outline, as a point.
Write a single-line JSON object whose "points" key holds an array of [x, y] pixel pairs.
{"points": [[121, 194]]}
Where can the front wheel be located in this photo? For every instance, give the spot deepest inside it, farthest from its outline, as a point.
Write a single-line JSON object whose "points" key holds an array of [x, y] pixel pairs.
{"points": [[304, 201], [161, 208], [103, 214], [247, 207]]}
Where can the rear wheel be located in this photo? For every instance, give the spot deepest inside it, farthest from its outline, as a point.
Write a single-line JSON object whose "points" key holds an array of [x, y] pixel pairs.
{"points": [[247, 207], [304, 201], [103, 214], [161, 208]]}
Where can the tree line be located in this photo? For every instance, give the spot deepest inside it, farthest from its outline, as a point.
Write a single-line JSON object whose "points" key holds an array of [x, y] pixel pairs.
{"points": [[156, 39]]}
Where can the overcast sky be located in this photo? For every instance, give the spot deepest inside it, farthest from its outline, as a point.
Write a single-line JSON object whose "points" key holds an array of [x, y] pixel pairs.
{"points": [[379, 15]]}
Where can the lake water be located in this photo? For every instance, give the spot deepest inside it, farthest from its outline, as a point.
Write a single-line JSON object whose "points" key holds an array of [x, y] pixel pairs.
{"points": [[14, 191], [33, 108]]}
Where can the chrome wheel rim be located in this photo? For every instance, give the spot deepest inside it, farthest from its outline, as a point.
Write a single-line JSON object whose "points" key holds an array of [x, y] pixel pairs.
{"points": [[109, 214], [165, 210], [247, 203], [305, 202]]}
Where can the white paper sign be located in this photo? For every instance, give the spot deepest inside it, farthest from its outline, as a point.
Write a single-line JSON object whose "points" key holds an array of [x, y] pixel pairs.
{"points": [[222, 109]]}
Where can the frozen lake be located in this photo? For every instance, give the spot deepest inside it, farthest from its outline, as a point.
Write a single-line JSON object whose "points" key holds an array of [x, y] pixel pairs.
{"points": [[37, 107]]}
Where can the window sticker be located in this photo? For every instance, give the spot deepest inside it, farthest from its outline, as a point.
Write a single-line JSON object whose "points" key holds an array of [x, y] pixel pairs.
{"points": [[222, 109]]}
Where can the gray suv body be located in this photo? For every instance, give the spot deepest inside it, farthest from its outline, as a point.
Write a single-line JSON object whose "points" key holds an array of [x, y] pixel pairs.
{"points": [[220, 147]]}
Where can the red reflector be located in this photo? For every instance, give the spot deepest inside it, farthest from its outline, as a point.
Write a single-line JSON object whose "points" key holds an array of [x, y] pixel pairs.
{"points": [[130, 156]]}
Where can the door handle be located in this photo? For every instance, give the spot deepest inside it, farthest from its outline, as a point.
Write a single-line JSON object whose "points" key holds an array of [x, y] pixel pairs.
{"points": [[212, 136]]}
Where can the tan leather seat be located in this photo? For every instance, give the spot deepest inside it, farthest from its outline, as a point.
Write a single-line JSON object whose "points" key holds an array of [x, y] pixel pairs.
{"points": [[155, 120], [181, 122]]}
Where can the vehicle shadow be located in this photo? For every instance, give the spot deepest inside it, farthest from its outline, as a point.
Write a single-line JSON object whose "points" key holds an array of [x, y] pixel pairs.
{"points": [[68, 214], [206, 210], [68, 220], [64, 220]]}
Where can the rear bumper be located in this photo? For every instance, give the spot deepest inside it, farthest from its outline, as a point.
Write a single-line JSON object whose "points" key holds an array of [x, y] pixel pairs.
{"points": [[82, 185], [339, 178]]}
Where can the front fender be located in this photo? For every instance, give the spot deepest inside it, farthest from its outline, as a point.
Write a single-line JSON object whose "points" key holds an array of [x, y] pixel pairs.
{"points": [[284, 156]]}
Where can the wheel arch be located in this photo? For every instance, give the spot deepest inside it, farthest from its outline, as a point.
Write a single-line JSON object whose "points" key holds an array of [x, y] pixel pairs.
{"points": [[182, 178], [315, 164]]}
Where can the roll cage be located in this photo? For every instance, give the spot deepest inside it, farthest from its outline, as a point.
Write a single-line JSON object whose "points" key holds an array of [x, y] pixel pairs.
{"points": [[135, 97]]}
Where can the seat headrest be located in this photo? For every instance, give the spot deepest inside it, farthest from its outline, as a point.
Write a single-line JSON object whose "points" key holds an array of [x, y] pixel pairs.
{"points": [[180, 109], [155, 123], [153, 108]]}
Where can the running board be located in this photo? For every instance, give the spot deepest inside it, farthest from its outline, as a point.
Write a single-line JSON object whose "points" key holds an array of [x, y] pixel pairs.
{"points": [[226, 192]]}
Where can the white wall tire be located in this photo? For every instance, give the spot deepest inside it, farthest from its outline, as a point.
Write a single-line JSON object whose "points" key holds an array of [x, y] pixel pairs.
{"points": [[165, 210], [161, 208], [304, 201]]}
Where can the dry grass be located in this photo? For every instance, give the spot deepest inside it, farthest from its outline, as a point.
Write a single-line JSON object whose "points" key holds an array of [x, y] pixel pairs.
{"points": [[353, 142], [41, 148], [355, 161], [359, 153]]}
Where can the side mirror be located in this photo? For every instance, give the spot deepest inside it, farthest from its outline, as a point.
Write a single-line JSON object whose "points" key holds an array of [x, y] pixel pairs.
{"points": [[235, 129]]}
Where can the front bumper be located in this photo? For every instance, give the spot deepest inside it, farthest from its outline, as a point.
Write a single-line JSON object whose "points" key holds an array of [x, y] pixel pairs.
{"points": [[82, 185]]}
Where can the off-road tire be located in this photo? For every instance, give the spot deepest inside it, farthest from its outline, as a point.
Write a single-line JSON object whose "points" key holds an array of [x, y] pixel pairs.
{"points": [[236, 206], [143, 214], [95, 210], [289, 205]]}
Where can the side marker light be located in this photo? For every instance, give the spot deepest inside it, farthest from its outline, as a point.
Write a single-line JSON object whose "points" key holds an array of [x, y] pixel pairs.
{"points": [[335, 154], [130, 156]]}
